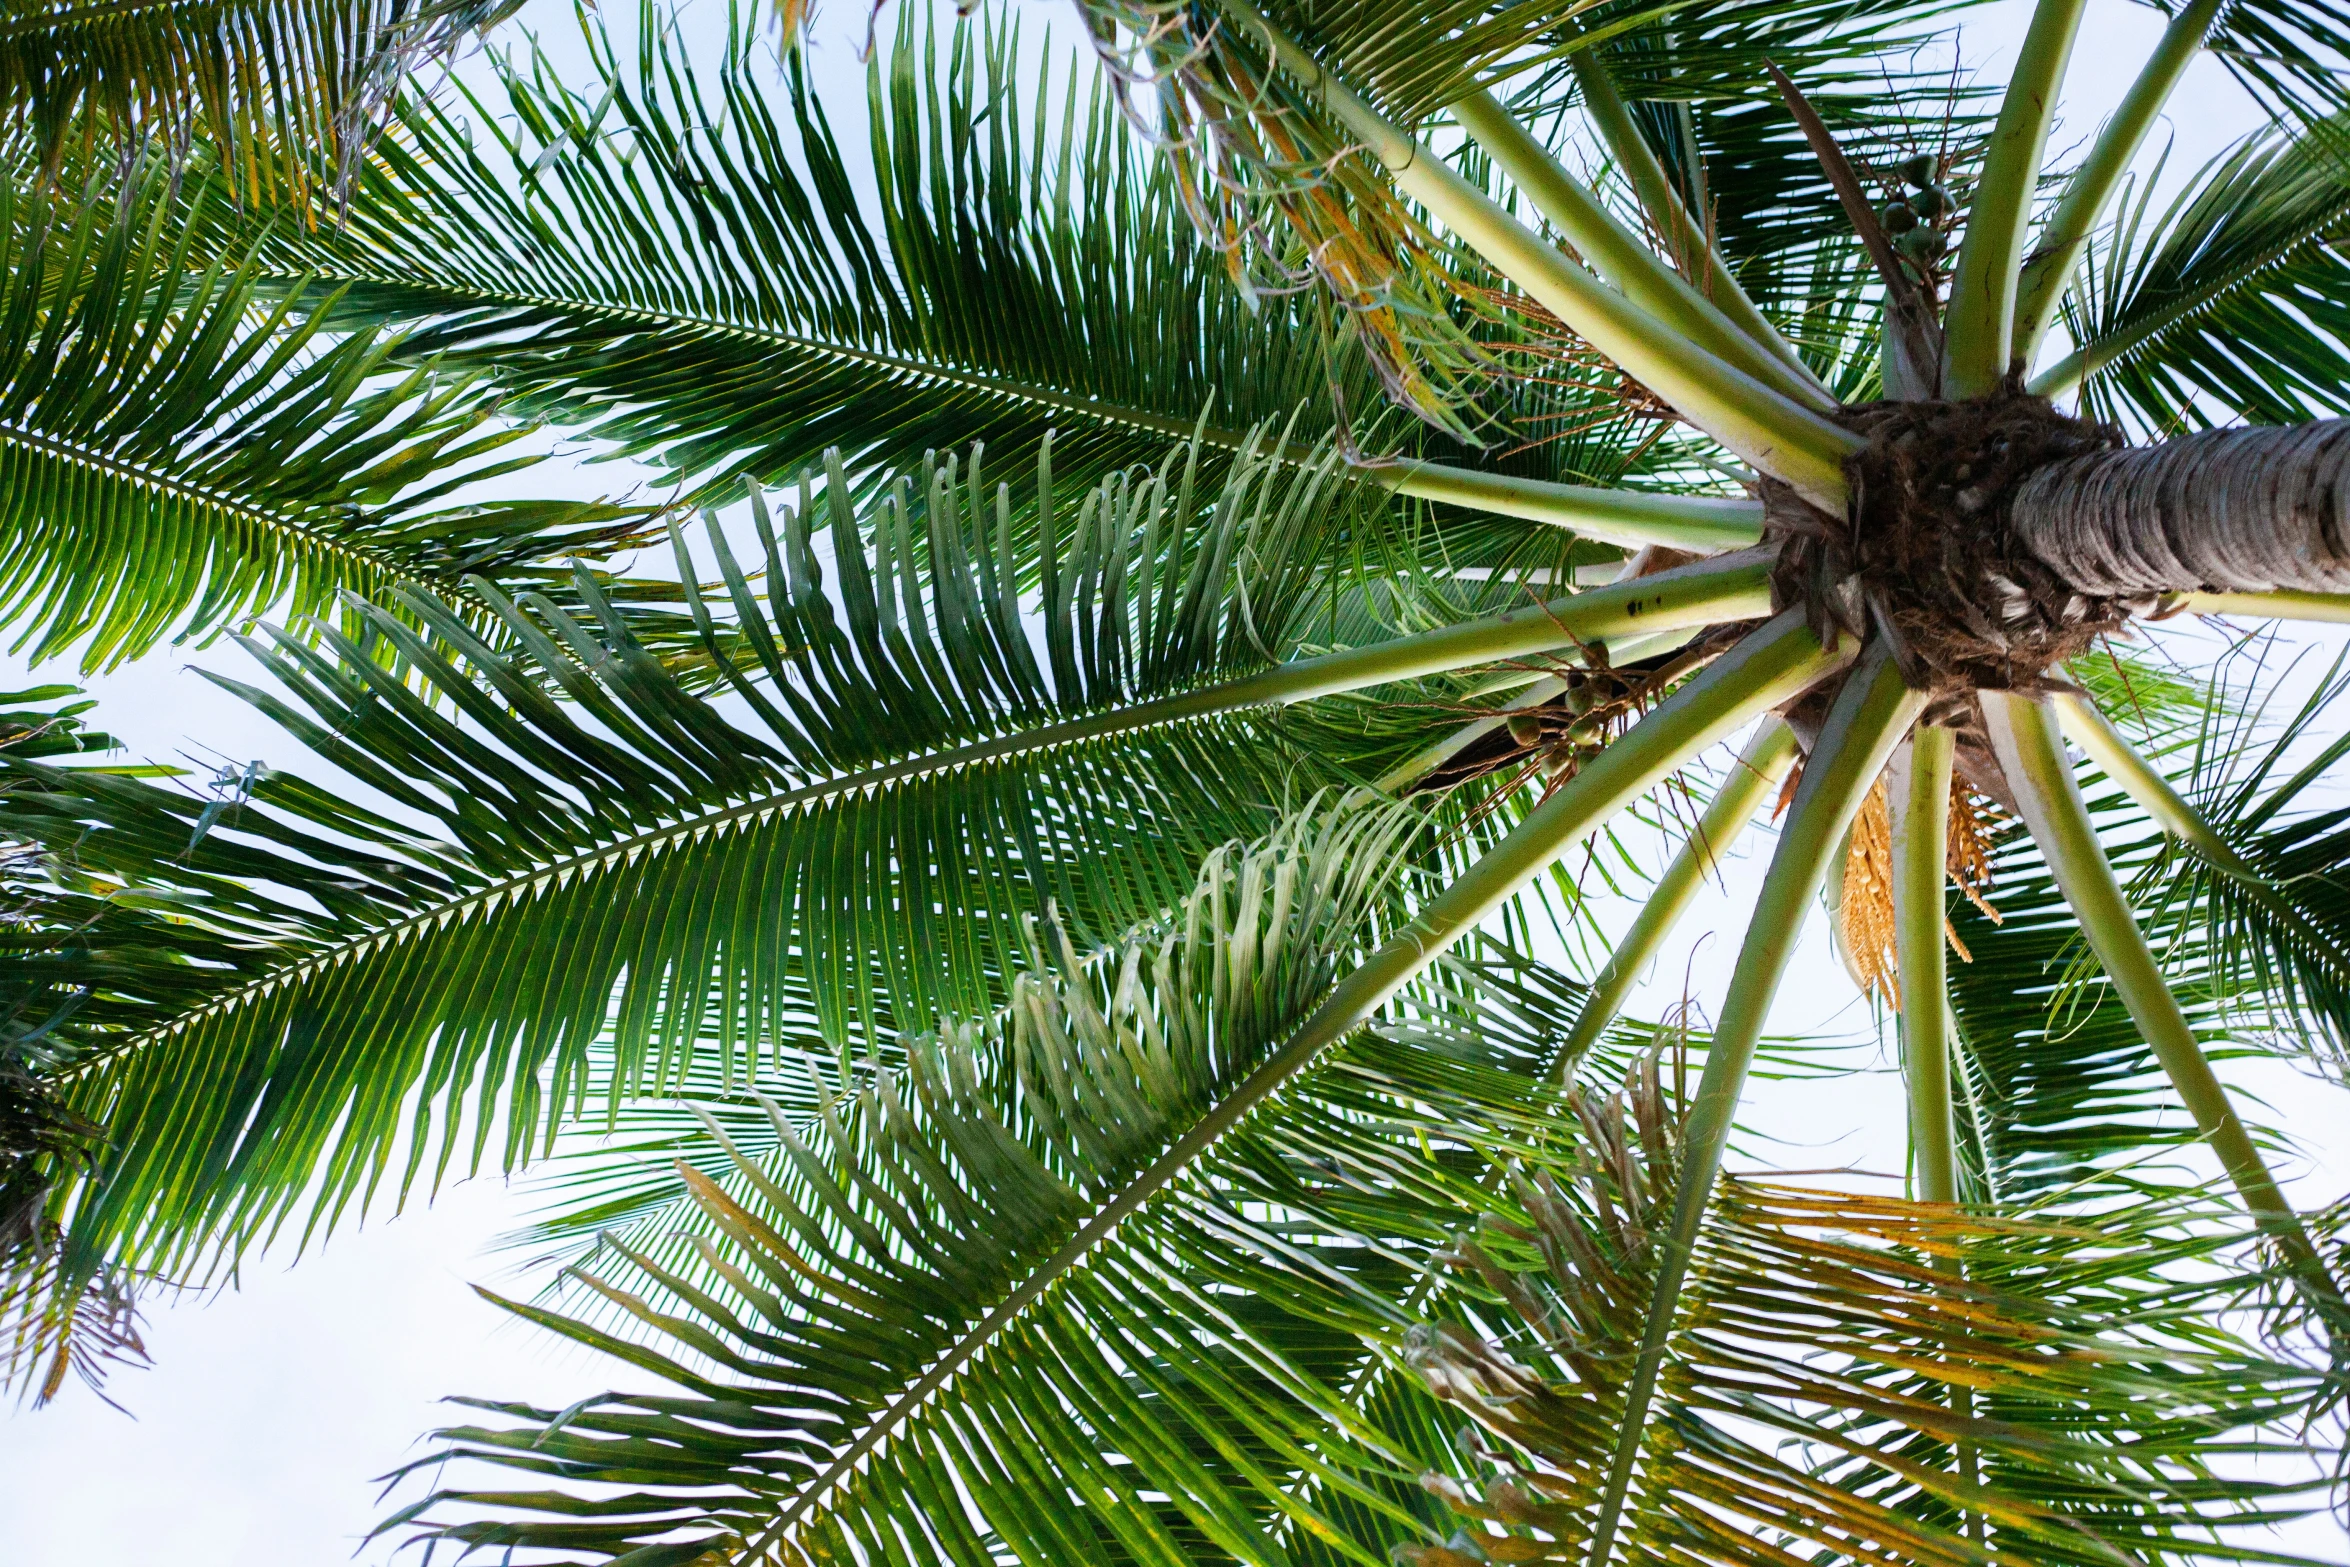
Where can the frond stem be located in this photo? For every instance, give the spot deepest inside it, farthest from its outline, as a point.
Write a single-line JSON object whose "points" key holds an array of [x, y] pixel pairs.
{"points": [[1634, 518], [2090, 190], [2025, 735], [1691, 239], [2278, 604], [1979, 326], [2094, 733], [1624, 261], [1918, 782], [1866, 721]]}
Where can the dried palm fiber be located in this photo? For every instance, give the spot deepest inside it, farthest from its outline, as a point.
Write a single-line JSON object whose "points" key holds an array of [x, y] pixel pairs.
{"points": [[1928, 557]]}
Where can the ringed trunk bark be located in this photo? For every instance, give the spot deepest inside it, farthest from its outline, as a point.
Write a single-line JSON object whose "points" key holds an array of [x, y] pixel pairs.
{"points": [[2245, 511]]}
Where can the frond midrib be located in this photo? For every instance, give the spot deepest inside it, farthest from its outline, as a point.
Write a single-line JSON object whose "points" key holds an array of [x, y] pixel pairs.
{"points": [[656, 840], [143, 476], [2103, 349], [929, 369]]}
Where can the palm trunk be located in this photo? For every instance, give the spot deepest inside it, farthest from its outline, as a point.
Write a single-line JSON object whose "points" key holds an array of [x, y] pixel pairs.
{"points": [[2240, 511]]}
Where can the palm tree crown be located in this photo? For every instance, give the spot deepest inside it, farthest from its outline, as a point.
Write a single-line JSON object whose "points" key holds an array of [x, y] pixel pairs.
{"points": [[1037, 948]]}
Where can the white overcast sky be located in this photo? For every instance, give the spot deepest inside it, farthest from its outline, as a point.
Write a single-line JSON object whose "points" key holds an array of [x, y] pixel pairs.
{"points": [[253, 1440]]}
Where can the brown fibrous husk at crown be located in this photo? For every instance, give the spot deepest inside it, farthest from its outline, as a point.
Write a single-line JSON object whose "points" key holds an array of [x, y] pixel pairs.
{"points": [[1928, 558]]}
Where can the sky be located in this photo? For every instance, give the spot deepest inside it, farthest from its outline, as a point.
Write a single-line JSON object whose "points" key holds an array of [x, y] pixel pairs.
{"points": [[255, 1439]]}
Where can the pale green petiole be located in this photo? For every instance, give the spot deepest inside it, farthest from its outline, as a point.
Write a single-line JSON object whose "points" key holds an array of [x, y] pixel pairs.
{"points": [[1702, 523], [1773, 432], [2024, 733], [1979, 326], [1654, 188], [1616, 255], [1868, 719], [1917, 787], [1752, 779], [1774, 665], [2090, 190], [1917, 784], [2119, 760]]}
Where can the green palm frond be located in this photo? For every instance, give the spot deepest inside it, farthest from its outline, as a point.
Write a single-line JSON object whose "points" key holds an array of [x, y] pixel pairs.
{"points": [[1196, 1381], [2056, 1087], [2271, 925], [675, 257], [2287, 53], [281, 91], [176, 456], [626, 1178], [622, 850], [2204, 308], [2059, 1089], [39, 1135], [1282, 180], [910, 1334]]}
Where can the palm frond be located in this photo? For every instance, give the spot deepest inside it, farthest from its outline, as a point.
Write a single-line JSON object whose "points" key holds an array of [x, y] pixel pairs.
{"points": [[925, 1197], [2058, 1089], [2286, 53], [631, 865], [39, 1135], [675, 257], [1194, 1384], [281, 92], [2227, 301], [175, 456], [2271, 929]]}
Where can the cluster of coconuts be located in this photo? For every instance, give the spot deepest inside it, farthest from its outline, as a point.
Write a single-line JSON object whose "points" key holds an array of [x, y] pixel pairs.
{"points": [[1914, 220], [1569, 732]]}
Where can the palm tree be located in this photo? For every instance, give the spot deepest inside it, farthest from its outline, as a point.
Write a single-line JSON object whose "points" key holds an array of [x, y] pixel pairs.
{"points": [[1035, 993]]}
